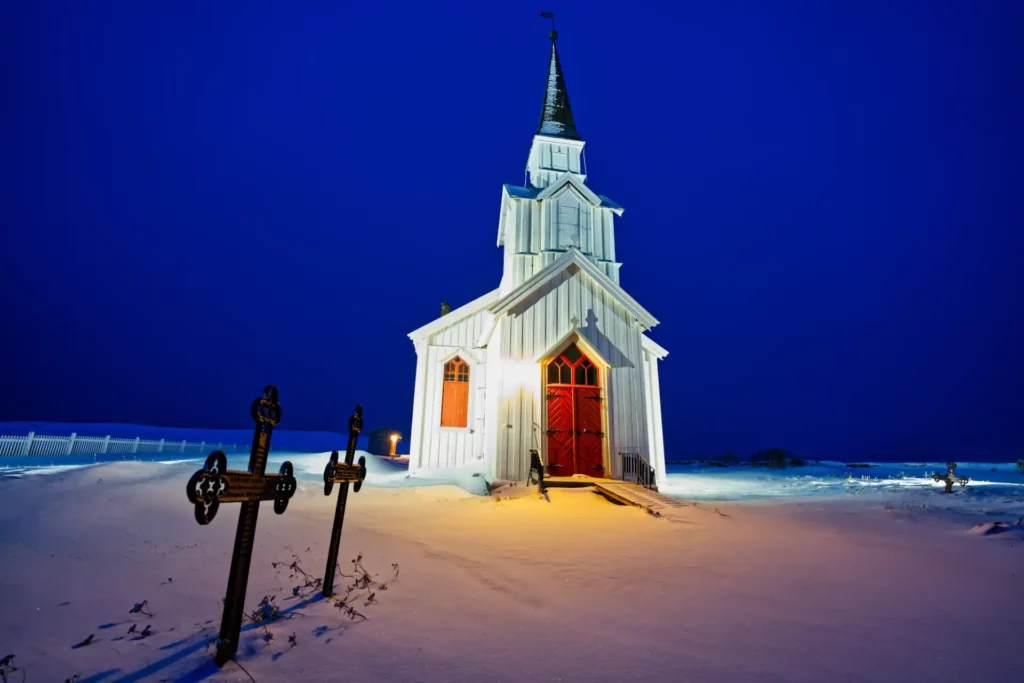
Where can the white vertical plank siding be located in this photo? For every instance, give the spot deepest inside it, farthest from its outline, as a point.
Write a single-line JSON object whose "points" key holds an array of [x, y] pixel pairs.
{"points": [[505, 382], [503, 431], [436, 447], [655, 454], [532, 330], [419, 394], [431, 412], [657, 432], [610, 240], [535, 227], [522, 233], [515, 432]]}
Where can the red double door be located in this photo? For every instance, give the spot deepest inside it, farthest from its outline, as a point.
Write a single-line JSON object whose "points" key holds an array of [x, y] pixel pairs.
{"points": [[575, 439]]}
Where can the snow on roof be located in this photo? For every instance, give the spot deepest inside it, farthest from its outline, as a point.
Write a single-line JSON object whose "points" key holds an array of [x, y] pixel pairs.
{"points": [[522, 192]]}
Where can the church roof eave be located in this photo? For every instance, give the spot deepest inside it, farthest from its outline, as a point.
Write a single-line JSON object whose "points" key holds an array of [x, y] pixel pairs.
{"points": [[533, 193], [505, 196], [573, 257], [520, 192], [607, 203], [455, 316], [656, 349]]}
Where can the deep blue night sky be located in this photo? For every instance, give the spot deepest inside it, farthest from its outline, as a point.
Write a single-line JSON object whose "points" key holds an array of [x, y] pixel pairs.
{"points": [[824, 207]]}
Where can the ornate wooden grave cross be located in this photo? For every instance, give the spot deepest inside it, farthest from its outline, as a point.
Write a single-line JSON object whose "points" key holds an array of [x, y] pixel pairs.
{"points": [[949, 478], [215, 484], [342, 473]]}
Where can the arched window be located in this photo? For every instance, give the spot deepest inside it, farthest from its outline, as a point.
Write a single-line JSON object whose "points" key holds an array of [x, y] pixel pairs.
{"points": [[455, 394]]}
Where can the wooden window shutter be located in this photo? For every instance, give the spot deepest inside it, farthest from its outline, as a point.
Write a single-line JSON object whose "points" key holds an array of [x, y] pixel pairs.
{"points": [[455, 394]]}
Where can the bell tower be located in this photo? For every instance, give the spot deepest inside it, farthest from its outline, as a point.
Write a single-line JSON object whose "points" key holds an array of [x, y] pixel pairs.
{"points": [[555, 212]]}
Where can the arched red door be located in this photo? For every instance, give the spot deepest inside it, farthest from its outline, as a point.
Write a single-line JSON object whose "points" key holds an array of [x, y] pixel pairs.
{"points": [[575, 436]]}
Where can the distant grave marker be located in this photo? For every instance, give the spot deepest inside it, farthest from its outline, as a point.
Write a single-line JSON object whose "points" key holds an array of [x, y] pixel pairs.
{"points": [[342, 473], [949, 478], [215, 484]]}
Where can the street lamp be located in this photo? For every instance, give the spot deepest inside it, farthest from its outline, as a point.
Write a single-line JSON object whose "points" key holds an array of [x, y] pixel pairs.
{"points": [[395, 436]]}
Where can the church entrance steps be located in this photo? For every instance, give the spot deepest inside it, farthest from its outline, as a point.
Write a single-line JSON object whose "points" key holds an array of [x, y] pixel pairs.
{"points": [[575, 481], [624, 492]]}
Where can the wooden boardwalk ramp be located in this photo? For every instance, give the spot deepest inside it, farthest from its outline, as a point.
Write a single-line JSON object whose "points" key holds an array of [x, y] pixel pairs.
{"points": [[634, 494], [624, 492]]}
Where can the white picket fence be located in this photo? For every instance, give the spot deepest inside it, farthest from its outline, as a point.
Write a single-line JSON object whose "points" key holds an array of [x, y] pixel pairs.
{"points": [[35, 444]]}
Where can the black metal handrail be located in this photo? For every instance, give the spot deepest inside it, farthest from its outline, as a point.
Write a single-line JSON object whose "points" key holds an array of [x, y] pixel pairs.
{"points": [[536, 470], [636, 469]]}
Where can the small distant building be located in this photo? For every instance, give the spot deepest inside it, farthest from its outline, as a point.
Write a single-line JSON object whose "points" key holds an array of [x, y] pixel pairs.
{"points": [[556, 359]]}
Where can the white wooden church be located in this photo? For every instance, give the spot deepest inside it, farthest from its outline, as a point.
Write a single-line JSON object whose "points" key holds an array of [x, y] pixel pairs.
{"points": [[555, 359]]}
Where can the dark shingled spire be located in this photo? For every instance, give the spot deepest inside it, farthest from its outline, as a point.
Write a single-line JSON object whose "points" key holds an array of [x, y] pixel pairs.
{"points": [[556, 116]]}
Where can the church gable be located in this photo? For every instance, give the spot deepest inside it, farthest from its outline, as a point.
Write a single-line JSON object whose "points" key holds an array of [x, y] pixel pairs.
{"points": [[592, 211], [462, 333], [460, 327], [566, 181], [567, 307], [571, 302], [573, 259]]}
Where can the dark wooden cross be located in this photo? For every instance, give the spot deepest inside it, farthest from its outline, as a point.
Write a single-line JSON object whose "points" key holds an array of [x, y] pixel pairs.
{"points": [[342, 473], [216, 484], [949, 478]]}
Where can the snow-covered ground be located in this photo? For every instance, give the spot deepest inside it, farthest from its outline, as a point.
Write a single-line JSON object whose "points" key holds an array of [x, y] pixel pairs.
{"points": [[702, 482], [892, 583]]}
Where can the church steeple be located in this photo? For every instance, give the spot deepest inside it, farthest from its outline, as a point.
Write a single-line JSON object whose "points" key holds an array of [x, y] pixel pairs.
{"points": [[556, 115], [557, 147]]}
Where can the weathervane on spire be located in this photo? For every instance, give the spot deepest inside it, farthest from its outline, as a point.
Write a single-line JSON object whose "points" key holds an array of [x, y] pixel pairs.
{"points": [[551, 16], [556, 115]]}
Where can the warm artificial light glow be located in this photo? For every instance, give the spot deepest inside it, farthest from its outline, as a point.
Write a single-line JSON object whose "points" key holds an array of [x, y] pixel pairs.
{"points": [[519, 376]]}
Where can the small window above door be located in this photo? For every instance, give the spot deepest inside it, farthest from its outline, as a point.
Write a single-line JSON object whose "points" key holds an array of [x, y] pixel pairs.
{"points": [[573, 368]]}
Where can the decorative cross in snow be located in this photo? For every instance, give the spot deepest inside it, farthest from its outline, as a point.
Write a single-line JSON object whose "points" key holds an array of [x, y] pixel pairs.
{"points": [[949, 478], [342, 473], [215, 484]]}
